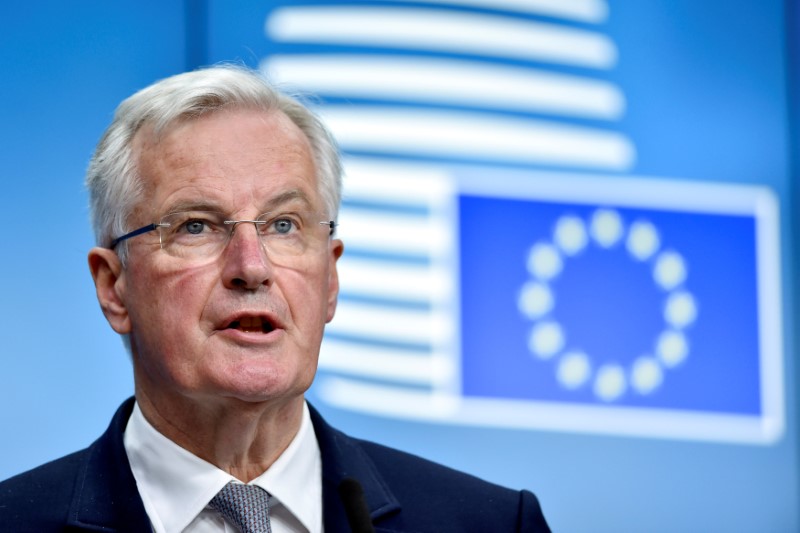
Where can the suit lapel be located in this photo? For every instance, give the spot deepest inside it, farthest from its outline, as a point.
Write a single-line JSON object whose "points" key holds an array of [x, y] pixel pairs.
{"points": [[106, 498], [343, 457]]}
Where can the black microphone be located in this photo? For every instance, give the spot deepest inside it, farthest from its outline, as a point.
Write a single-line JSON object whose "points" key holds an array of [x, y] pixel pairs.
{"points": [[355, 506]]}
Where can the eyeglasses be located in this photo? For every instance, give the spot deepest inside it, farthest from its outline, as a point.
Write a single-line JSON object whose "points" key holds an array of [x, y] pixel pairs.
{"points": [[204, 234]]}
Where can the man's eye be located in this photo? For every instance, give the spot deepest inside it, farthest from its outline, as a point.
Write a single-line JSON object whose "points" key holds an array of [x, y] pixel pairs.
{"points": [[283, 225], [195, 226]]}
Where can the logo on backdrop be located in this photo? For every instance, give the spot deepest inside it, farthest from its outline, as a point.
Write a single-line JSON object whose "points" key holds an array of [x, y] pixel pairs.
{"points": [[476, 294], [638, 307], [640, 242]]}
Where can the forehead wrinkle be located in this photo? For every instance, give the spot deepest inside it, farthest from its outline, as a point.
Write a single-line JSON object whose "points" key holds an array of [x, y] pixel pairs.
{"points": [[200, 194], [205, 175], [289, 196], [193, 205], [277, 202]]}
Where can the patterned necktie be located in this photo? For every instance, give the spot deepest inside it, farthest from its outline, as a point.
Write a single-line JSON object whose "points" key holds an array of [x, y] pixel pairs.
{"points": [[247, 506]]}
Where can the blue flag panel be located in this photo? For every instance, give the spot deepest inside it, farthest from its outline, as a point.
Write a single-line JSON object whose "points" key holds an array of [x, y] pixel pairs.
{"points": [[595, 327]]}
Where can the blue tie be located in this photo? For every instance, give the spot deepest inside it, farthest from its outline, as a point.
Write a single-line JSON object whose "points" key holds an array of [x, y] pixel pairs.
{"points": [[247, 506]]}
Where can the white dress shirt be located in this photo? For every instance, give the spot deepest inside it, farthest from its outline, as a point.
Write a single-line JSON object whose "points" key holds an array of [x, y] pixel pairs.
{"points": [[176, 485]]}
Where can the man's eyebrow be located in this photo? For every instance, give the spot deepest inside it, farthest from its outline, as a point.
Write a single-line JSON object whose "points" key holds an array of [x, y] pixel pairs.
{"points": [[291, 196], [193, 205], [294, 195]]}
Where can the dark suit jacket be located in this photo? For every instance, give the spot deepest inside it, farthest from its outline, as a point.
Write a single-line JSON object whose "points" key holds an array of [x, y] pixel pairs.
{"points": [[94, 490]]}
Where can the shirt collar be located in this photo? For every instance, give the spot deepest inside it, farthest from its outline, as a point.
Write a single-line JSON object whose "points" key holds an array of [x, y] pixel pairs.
{"points": [[295, 478], [176, 485]]}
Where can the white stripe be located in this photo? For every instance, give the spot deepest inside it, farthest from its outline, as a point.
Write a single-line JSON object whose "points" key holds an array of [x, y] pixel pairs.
{"points": [[393, 280], [448, 81], [468, 135], [594, 11], [442, 30], [489, 412], [395, 233], [397, 182], [431, 328], [393, 365], [640, 192], [386, 400], [770, 307]]}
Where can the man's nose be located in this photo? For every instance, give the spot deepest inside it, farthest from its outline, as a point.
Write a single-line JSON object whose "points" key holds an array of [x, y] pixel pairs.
{"points": [[246, 265]]}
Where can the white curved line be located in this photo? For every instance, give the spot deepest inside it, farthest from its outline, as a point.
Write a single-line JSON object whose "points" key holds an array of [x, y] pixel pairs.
{"points": [[392, 365], [459, 134], [448, 81], [442, 30], [431, 328], [594, 11], [393, 280]]}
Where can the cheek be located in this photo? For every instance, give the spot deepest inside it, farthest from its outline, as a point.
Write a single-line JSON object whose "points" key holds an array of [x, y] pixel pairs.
{"points": [[167, 304], [307, 299], [315, 289]]}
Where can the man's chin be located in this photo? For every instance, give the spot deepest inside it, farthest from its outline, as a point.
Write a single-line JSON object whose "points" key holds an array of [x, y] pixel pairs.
{"points": [[263, 391]]}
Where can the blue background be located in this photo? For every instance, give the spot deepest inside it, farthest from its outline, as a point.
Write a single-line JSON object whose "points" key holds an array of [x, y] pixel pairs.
{"points": [[710, 96]]}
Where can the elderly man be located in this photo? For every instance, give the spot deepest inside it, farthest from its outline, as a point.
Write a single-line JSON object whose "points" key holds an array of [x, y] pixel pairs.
{"points": [[214, 199]]}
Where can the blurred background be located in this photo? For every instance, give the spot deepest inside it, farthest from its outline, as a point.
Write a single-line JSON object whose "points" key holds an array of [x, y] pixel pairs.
{"points": [[570, 226]]}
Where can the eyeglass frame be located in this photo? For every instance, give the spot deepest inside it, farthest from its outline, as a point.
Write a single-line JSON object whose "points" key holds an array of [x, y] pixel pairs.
{"points": [[155, 225]]}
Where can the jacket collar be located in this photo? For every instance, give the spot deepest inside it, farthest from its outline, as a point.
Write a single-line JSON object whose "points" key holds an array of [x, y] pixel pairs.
{"points": [[106, 497], [343, 457]]}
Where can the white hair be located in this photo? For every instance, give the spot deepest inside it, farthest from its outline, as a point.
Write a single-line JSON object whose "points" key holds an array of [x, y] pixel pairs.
{"points": [[112, 179]]}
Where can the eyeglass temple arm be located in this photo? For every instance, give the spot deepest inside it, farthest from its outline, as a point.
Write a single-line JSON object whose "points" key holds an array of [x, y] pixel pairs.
{"points": [[134, 233]]}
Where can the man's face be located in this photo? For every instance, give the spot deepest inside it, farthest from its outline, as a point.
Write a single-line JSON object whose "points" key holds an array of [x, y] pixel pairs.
{"points": [[237, 325]]}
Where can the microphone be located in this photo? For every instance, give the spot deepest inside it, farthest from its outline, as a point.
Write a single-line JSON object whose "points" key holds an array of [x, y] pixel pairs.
{"points": [[355, 506]]}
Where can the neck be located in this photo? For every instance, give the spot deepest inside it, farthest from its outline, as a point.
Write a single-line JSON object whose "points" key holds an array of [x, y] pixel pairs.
{"points": [[241, 438]]}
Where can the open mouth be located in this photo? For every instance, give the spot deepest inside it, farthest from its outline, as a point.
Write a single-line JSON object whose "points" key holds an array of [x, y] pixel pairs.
{"points": [[252, 324]]}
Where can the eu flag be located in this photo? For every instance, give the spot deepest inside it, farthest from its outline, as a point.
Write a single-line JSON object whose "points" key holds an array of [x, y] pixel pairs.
{"points": [[628, 308]]}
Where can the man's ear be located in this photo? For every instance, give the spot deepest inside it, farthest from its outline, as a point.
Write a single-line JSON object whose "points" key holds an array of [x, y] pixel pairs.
{"points": [[337, 248], [109, 283]]}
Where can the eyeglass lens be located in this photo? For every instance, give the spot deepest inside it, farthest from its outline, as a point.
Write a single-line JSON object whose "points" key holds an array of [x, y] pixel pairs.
{"points": [[203, 234]]}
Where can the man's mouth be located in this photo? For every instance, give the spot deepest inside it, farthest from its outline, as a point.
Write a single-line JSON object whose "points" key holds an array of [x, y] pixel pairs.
{"points": [[252, 324]]}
